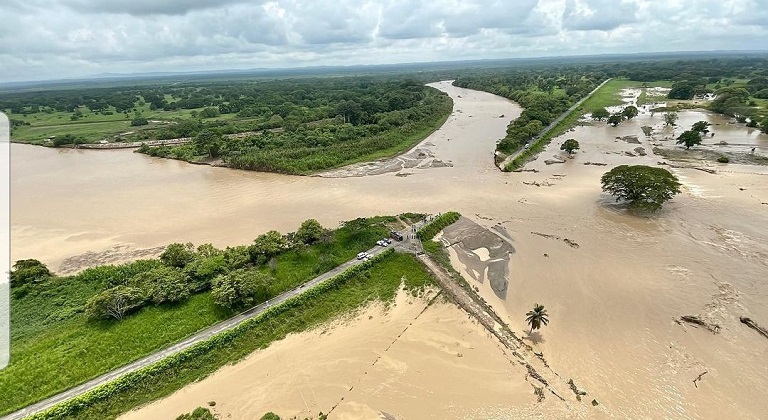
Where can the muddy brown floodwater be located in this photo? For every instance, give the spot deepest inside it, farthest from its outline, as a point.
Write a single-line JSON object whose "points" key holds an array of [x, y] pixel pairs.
{"points": [[613, 299]]}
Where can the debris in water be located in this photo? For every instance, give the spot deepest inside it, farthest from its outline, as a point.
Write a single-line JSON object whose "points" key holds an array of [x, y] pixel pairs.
{"points": [[752, 324], [698, 378], [696, 320]]}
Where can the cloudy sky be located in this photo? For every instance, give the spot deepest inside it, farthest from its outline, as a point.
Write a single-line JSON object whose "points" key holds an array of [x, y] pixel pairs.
{"points": [[53, 39]]}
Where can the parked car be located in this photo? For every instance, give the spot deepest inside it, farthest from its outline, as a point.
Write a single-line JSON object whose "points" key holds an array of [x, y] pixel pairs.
{"points": [[361, 255], [387, 240], [396, 236]]}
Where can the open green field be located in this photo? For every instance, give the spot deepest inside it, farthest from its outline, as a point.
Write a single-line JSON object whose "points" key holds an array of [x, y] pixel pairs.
{"points": [[55, 345], [379, 282], [610, 93]]}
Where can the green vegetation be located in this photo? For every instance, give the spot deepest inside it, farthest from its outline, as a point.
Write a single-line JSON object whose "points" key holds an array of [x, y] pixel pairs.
{"points": [[537, 317], [670, 118], [199, 413], [570, 146], [723, 159], [554, 88], [292, 126], [270, 416], [545, 94], [378, 279], [646, 187], [428, 231], [52, 328], [689, 138]]}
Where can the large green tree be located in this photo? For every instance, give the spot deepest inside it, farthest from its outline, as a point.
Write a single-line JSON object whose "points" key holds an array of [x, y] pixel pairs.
{"points": [[309, 232], [701, 127], [630, 112], [28, 271], [645, 187], [537, 317], [689, 138], [570, 146], [267, 246]]}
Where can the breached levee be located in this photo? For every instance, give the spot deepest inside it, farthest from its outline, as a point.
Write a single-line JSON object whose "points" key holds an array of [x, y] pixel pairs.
{"points": [[469, 240]]}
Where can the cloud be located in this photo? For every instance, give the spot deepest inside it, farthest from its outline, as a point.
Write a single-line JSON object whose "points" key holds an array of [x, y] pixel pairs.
{"points": [[148, 7], [42, 39], [598, 15]]}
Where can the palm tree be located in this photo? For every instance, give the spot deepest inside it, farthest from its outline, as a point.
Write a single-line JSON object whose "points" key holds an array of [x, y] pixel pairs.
{"points": [[537, 317]]}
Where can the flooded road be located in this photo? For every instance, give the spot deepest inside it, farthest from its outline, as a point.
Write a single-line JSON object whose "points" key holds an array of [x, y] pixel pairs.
{"points": [[613, 300]]}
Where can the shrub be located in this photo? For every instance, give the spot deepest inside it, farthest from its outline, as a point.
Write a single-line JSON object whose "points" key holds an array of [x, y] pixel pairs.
{"points": [[178, 255], [310, 232], [161, 285], [115, 303], [270, 416], [199, 413], [241, 288], [202, 271], [428, 231], [28, 271], [723, 159]]}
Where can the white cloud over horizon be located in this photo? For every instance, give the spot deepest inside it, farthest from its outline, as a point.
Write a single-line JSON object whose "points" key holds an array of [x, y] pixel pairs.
{"points": [[54, 39]]}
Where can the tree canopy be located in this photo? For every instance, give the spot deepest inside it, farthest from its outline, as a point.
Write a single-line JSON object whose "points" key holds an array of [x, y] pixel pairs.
{"points": [[241, 288], [645, 187], [537, 317], [570, 146], [689, 138]]}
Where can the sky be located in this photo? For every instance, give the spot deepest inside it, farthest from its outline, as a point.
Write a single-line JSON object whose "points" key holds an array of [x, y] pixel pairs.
{"points": [[55, 39]]}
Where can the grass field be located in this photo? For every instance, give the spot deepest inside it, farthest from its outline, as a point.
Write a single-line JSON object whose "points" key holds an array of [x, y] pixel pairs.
{"points": [[379, 282], [55, 346], [610, 94]]}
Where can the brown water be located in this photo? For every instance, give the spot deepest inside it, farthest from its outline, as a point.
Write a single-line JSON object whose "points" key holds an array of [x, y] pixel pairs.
{"points": [[613, 300]]}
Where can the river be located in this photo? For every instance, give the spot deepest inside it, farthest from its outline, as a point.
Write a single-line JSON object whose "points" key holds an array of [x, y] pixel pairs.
{"points": [[613, 301]]}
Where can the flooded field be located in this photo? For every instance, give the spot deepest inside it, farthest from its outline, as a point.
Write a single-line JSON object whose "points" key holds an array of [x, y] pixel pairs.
{"points": [[613, 299]]}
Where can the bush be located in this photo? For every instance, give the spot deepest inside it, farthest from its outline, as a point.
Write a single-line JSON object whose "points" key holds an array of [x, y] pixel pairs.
{"points": [[28, 271], [723, 159], [199, 413], [139, 121], [161, 285], [241, 288], [202, 271], [270, 416], [115, 303], [310, 232], [428, 231], [267, 246], [178, 255], [645, 187]]}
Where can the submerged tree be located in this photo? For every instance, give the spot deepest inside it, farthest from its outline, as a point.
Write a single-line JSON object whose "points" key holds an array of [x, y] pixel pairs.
{"points": [[630, 112], [570, 146], [670, 118], [645, 187], [689, 138], [537, 317], [615, 119], [701, 127], [600, 114]]}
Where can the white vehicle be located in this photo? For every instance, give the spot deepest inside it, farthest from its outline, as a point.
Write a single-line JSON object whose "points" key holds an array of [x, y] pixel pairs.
{"points": [[387, 240], [361, 255], [383, 243]]}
